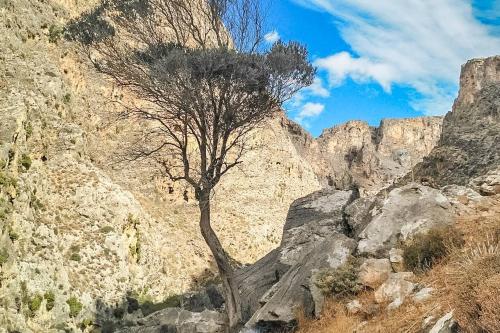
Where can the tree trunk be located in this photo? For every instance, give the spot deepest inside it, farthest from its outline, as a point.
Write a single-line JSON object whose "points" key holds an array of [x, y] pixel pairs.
{"points": [[231, 293]]}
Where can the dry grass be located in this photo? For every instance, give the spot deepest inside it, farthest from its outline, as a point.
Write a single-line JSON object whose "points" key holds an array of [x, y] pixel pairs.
{"points": [[467, 281], [335, 319]]}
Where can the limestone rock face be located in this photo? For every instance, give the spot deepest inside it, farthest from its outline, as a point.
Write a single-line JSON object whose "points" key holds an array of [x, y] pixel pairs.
{"points": [[272, 288], [407, 210], [468, 147], [369, 158]]}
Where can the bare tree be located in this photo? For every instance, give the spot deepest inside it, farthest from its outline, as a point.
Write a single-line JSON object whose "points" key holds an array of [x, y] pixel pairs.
{"points": [[203, 83]]}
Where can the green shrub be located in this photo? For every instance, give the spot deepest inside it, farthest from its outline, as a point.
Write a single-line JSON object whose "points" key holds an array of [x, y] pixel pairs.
{"points": [[34, 304], [13, 235], [55, 33], [75, 257], [5, 209], [340, 282], [107, 229], [50, 299], [6, 180], [147, 307], [67, 98], [424, 250], [86, 323], [29, 130], [74, 306], [25, 161], [4, 256]]}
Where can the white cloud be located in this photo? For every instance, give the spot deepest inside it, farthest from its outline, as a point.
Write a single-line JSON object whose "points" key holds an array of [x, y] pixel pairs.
{"points": [[272, 37], [343, 65], [310, 110], [317, 89], [415, 43]]}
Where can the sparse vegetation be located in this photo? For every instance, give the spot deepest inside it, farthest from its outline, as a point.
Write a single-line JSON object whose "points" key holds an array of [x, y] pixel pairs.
{"points": [[474, 288], [75, 253], [34, 304], [75, 307], [7, 180], [334, 319], [29, 129], [424, 250], [13, 235], [50, 300], [25, 161], [107, 229], [4, 256], [5, 209], [340, 282], [67, 98], [147, 306], [55, 33]]}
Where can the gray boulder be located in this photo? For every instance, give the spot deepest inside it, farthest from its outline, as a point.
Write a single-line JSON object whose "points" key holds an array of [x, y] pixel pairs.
{"points": [[408, 210], [281, 283], [445, 324], [175, 320]]}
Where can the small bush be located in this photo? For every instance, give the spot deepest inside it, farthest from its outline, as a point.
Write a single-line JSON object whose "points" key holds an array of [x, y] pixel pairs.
{"points": [[424, 250], [75, 257], [50, 299], [6, 180], [67, 98], [25, 161], [340, 282], [13, 235], [74, 306], [86, 323], [55, 33], [4, 256], [34, 304], [5, 209], [107, 229], [147, 306], [29, 130]]}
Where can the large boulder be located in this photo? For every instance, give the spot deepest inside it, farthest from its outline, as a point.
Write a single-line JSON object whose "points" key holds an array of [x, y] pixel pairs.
{"points": [[281, 283], [176, 320], [408, 210]]}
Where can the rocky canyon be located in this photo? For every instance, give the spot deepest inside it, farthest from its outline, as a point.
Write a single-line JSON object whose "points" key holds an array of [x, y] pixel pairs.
{"points": [[92, 244]]}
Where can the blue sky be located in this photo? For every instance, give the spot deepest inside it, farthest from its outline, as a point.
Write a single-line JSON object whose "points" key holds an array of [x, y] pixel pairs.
{"points": [[385, 58]]}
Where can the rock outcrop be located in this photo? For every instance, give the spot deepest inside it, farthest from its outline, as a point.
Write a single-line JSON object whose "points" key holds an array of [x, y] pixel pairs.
{"points": [[408, 210], [470, 140], [280, 283], [357, 155]]}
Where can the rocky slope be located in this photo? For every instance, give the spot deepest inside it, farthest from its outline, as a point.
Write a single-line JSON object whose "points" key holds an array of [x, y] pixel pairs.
{"points": [[79, 232]]}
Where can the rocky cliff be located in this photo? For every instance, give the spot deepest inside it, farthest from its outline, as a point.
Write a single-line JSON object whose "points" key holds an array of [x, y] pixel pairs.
{"points": [[470, 142], [367, 158]]}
